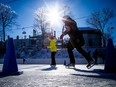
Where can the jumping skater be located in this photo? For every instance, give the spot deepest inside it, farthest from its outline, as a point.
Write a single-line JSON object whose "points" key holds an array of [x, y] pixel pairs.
{"points": [[76, 41]]}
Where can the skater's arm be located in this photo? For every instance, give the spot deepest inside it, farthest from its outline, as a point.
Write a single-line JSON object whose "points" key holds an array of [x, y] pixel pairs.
{"points": [[67, 30]]}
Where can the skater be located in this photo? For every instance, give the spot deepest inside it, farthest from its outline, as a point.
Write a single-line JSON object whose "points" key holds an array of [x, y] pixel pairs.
{"points": [[76, 41], [24, 60], [53, 49]]}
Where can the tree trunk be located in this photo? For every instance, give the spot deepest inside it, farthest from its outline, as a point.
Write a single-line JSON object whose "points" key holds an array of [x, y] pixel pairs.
{"points": [[3, 33], [62, 39], [104, 43], [42, 39]]}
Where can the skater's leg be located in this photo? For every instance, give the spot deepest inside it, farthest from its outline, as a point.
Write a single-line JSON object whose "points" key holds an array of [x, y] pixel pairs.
{"points": [[53, 62], [70, 53], [87, 57], [84, 53]]}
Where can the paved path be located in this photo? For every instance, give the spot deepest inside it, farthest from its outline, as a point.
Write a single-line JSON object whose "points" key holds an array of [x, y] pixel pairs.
{"points": [[44, 76]]}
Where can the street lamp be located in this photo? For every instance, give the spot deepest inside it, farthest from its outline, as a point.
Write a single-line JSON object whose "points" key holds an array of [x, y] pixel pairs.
{"points": [[24, 32]]}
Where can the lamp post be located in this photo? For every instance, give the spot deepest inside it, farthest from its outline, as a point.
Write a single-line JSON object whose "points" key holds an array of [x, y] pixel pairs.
{"points": [[24, 32]]}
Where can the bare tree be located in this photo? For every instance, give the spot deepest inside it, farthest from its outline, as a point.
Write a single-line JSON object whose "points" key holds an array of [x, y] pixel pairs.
{"points": [[7, 18], [99, 19], [41, 21]]}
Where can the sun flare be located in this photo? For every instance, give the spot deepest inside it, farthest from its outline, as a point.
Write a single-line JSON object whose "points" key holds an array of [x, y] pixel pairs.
{"points": [[54, 15]]}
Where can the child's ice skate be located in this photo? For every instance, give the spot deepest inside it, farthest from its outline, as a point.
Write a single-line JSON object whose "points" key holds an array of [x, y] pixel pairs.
{"points": [[71, 65], [52, 65]]}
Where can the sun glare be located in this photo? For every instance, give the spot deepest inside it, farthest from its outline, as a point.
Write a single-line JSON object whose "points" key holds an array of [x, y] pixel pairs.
{"points": [[54, 16]]}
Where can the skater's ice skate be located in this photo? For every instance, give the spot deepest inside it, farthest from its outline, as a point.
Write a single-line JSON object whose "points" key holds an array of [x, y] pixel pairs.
{"points": [[91, 64]]}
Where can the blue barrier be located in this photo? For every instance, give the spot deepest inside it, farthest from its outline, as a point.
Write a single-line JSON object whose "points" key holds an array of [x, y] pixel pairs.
{"points": [[110, 60], [10, 64]]}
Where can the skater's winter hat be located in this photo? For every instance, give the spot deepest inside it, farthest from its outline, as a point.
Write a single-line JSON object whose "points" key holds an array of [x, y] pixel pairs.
{"points": [[66, 16]]}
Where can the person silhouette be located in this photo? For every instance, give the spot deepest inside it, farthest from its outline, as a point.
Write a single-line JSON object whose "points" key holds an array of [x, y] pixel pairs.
{"points": [[76, 41]]}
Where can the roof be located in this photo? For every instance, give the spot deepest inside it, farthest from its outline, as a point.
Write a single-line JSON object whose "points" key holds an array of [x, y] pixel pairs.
{"points": [[89, 30], [38, 36], [86, 28]]}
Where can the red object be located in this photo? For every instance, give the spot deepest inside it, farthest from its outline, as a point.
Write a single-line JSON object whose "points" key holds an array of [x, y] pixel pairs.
{"points": [[61, 37], [44, 47]]}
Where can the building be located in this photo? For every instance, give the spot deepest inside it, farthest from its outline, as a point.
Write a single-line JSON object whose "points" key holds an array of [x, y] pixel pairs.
{"points": [[34, 43], [30, 43], [91, 36]]}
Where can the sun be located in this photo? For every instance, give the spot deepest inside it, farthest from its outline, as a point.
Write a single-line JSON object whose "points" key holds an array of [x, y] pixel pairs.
{"points": [[54, 15]]}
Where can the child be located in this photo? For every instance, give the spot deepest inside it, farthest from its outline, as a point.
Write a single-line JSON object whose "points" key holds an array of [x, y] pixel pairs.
{"points": [[53, 49]]}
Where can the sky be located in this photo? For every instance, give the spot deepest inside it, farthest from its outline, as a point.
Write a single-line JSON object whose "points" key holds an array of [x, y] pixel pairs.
{"points": [[80, 10]]}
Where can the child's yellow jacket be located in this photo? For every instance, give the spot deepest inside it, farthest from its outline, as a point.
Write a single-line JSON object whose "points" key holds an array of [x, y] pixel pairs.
{"points": [[52, 45]]}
